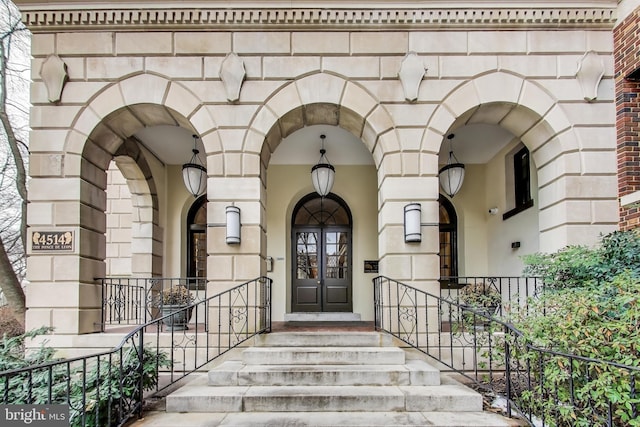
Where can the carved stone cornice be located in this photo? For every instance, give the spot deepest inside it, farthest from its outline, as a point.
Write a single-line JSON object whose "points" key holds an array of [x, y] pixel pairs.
{"points": [[321, 19]]}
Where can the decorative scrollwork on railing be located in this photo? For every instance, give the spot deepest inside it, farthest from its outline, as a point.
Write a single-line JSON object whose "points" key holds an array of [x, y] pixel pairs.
{"points": [[540, 384], [135, 301], [239, 322], [108, 388]]}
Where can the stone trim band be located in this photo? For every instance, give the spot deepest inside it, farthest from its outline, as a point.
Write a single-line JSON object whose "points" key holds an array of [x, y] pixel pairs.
{"points": [[228, 19]]}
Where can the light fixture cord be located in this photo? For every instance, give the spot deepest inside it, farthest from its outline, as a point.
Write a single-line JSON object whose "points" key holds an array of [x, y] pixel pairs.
{"points": [[323, 152], [452, 156]]}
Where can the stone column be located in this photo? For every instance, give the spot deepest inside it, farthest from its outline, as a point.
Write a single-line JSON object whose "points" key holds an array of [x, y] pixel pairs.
{"points": [[413, 263], [229, 265], [62, 292]]}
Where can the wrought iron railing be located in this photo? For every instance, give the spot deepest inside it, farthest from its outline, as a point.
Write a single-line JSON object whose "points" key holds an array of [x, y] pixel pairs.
{"points": [[137, 300], [108, 388], [544, 387], [510, 290]]}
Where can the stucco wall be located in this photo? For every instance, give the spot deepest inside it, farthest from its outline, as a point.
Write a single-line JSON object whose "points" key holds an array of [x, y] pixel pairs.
{"points": [[356, 185]]}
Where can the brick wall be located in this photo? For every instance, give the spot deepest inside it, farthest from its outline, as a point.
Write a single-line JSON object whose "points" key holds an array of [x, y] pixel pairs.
{"points": [[627, 43]]}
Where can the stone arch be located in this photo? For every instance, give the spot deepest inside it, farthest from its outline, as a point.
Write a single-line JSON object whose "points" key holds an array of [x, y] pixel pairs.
{"points": [[104, 131], [119, 110], [323, 98], [530, 112], [534, 116]]}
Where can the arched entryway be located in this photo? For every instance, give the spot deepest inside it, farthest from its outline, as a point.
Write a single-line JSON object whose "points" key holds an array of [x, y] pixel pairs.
{"points": [[321, 242]]}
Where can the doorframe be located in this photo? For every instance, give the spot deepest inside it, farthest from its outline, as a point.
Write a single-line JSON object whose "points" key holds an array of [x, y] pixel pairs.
{"points": [[322, 229]]}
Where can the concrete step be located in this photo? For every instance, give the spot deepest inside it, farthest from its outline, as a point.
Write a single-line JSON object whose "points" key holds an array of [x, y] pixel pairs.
{"points": [[322, 317], [323, 356], [325, 419], [338, 419], [414, 372], [198, 396], [324, 339]]}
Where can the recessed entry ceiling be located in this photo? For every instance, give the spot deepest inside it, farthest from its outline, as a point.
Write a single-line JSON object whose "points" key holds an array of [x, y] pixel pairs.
{"points": [[303, 147], [171, 144], [473, 143]]}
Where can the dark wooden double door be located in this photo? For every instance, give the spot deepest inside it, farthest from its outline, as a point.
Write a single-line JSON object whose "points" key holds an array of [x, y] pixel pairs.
{"points": [[322, 258]]}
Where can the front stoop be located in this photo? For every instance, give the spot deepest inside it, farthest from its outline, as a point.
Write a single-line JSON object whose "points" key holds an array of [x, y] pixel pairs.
{"points": [[327, 379]]}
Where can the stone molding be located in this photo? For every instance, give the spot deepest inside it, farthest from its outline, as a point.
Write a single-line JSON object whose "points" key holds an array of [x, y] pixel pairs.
{"points": [[310, 18]]}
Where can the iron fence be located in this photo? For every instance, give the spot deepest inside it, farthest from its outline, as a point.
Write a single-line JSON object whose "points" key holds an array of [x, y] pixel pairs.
{"points": [[108, 388], [510, 290], [544, 387], [136, 301]]}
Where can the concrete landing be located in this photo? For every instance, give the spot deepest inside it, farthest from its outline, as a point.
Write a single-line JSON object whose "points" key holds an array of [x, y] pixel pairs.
{"points": [[325, 419]]}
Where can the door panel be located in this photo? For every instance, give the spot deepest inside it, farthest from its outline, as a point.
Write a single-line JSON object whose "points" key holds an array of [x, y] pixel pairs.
{"points": [[324, 285], [306, 283], [336, 281]]}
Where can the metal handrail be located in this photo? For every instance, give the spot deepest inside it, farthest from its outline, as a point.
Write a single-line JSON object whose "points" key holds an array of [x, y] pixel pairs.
{"points": [[511, 289], [542, 386], [108, 388], [136, 300]]}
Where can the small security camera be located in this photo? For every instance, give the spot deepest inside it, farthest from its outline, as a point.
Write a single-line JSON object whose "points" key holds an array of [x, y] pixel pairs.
{"points": [[493, 211]]}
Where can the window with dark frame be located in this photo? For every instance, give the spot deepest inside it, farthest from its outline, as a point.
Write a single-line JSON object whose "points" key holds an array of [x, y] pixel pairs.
{"points": [[521, 183], [197, 241], [448, 227], [522, 178]]}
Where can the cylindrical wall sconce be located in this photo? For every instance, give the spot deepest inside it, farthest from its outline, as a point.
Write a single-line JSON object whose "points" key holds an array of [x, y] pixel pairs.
{"points": [[412, 214], [233, 225]]}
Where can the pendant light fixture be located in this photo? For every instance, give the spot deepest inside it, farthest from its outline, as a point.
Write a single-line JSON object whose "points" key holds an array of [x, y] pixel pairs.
{"points": [[194, 173], [451, 175], [323, 173]]}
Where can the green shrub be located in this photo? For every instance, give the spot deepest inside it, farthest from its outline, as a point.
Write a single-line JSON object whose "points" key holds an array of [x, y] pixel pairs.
{"points": [[96, 393], [12, 351], [109, 390], [580, 266], [591, 308]]}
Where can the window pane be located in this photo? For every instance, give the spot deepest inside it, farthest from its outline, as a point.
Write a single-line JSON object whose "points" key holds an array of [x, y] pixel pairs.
{"points": [[200, 254], [307, 255], [444, 215], [445, 254], [336, 255], [521, 175], [321, 211]]}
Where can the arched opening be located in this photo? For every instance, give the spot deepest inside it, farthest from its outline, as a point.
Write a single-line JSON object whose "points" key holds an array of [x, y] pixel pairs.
{"points": [[321, 242]]}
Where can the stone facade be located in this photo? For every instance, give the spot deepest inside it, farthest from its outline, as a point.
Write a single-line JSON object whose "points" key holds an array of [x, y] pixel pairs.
{"points": [[513, 67]]}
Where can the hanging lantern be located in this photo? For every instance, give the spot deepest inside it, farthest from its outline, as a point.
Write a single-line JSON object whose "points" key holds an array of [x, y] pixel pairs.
{"points": [[194, 173], [323, 173], [451, 175]]}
